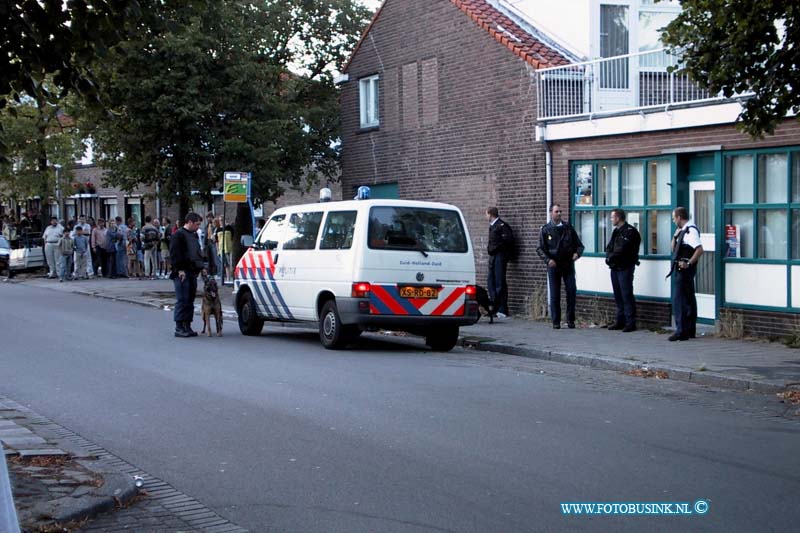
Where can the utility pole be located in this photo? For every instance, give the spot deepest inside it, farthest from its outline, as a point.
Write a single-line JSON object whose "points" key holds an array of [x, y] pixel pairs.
{"points": [[58, 190]]}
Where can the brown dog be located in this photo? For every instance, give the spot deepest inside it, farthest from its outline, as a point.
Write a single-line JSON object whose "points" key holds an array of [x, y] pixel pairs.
{"points": [[212, 306]]}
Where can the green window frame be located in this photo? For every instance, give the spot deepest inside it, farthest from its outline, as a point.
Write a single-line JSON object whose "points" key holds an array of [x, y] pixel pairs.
{"points": [[640, 186], [761, 189]]}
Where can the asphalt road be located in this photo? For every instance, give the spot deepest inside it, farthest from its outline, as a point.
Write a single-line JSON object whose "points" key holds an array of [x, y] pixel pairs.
{"points": [[277, 434]]}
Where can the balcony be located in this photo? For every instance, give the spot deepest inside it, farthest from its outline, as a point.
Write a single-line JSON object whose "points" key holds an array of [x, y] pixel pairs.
{"points": [[617, 85]]}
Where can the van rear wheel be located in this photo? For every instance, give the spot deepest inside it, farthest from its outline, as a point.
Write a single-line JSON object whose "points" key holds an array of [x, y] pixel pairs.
{"points": [[442, 339], [249, 322], [333, 334]]}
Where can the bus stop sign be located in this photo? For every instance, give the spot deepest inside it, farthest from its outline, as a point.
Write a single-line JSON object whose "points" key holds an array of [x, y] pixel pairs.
{"points": [[236, 187]]}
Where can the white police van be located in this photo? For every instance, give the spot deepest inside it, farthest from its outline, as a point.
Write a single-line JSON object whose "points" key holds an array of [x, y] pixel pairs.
{"points": [[361, 265]]}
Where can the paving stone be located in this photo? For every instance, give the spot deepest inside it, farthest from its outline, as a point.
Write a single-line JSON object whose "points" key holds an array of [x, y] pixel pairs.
{"points": [[15, 432], [43, 452], [23, 442]]}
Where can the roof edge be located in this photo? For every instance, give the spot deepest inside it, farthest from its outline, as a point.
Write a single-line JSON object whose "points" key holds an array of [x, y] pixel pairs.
{"points": [[363, 36], [519, 18]]}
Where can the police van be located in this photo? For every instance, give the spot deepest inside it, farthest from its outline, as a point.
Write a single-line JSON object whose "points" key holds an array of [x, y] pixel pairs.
{"points": [[357, 265]]}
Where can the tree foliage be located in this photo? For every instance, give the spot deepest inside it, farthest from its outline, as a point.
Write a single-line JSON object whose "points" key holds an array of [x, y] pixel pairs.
{"points": [[743, 46], [37, 135], [232, 86], [60, 39]]}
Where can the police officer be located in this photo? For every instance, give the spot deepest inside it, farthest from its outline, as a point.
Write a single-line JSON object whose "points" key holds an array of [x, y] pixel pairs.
{"points": [[622, 256], [686, 252], [559, 247], [501, 243], [187, 263]]}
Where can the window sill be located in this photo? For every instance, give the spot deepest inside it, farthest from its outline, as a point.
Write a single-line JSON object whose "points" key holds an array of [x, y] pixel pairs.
{"points": [[368, 129]]}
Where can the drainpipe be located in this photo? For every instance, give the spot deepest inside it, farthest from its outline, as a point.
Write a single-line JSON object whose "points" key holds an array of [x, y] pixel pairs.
{"points": [[548, 170]]}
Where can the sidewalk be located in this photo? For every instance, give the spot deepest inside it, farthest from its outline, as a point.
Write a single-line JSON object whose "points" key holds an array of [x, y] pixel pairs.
{"points": [[762, 366], [56, 483]]}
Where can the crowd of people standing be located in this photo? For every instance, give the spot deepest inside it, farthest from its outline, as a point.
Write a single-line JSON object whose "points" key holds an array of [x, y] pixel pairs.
{"points": [[84, 247]]}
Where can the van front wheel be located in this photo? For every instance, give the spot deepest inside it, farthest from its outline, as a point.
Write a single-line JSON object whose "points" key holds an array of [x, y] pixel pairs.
{"points": [[249, 321], [332, 332], [442, 339]]}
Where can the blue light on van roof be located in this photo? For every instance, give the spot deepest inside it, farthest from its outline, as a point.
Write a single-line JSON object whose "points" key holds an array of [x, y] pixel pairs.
{"points": [[363, 193]]}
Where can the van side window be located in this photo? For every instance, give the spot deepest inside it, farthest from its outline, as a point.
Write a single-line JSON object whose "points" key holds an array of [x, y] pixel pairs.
{"points": [[302, 231], [270, 236], [339, 229]]}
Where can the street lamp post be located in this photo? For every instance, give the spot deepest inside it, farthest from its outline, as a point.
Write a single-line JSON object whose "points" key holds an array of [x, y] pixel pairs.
{"points": [[58, 190]]}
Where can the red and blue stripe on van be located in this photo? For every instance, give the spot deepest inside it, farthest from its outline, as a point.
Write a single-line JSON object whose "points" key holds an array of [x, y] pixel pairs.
{"points": [[258, 270], [386, 300]]}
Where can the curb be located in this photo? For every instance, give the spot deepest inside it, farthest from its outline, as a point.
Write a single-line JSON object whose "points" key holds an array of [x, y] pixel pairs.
{"points": [[603, 362], [117, 490]]}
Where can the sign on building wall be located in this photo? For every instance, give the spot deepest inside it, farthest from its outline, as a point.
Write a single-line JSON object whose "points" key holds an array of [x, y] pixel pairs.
{"points": [[732, 240], [236, 187]]}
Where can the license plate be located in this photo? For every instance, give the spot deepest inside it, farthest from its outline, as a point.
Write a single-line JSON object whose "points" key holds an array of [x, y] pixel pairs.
{"points": [[419, 292]]}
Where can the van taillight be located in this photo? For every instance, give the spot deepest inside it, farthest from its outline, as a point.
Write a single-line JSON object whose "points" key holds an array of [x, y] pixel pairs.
{"points": [[360, 290], [471, 292]]}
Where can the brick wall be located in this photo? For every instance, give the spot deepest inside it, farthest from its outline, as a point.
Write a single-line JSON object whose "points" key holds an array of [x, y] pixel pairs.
{"points": [[762, 323], [94, 174], [601, 311], [457, 119]]}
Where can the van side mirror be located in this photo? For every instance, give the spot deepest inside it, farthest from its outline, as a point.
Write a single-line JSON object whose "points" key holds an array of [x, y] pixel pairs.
{"points": [[247, 241]]}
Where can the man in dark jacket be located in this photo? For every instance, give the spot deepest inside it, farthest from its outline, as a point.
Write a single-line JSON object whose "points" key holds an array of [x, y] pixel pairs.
{"points": [[501, 243], [187, 262], [559, 247], [622, 256]]}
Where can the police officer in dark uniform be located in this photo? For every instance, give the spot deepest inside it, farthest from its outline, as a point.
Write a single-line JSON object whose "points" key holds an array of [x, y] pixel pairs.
{"points": [[622, 256], [187, 263], [559, 247], [686, 251], [501, 242]]}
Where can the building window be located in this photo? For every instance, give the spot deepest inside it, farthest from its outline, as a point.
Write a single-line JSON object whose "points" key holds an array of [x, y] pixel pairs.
{"points": [[109, 208], [614, 36], [653, 17], [762, 205], [640, 187], [368, 97]]}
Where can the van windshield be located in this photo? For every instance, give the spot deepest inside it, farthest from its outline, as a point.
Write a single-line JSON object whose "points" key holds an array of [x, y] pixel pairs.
{"points": [[416, 228]]}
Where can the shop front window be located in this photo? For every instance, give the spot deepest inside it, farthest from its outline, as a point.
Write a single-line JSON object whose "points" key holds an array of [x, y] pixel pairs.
{"points": [[641, 187]]}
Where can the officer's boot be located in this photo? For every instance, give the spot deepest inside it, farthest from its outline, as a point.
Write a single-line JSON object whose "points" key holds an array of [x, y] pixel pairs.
{"points": [[189, 330], [180, 330]]}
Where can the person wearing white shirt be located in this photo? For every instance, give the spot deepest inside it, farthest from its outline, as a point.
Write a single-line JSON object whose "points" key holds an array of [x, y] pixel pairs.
{"points": [[686, 251], [51, 235]]}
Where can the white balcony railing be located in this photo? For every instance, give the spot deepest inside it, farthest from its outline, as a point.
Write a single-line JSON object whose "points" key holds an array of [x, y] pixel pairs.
{"points": [[616, 85]]}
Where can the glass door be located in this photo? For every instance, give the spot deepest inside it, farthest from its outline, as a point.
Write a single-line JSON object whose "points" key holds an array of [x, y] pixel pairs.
{"points": [[702, 211]]}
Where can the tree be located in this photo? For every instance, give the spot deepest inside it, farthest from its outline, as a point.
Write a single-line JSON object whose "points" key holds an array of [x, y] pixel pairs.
{"points": [[38, 135], [232, 86], [43, 38], [743, 46]]}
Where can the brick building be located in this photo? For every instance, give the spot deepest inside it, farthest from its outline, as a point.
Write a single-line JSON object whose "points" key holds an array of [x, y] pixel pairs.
{"points": [[90, 195], [439, 103]]}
